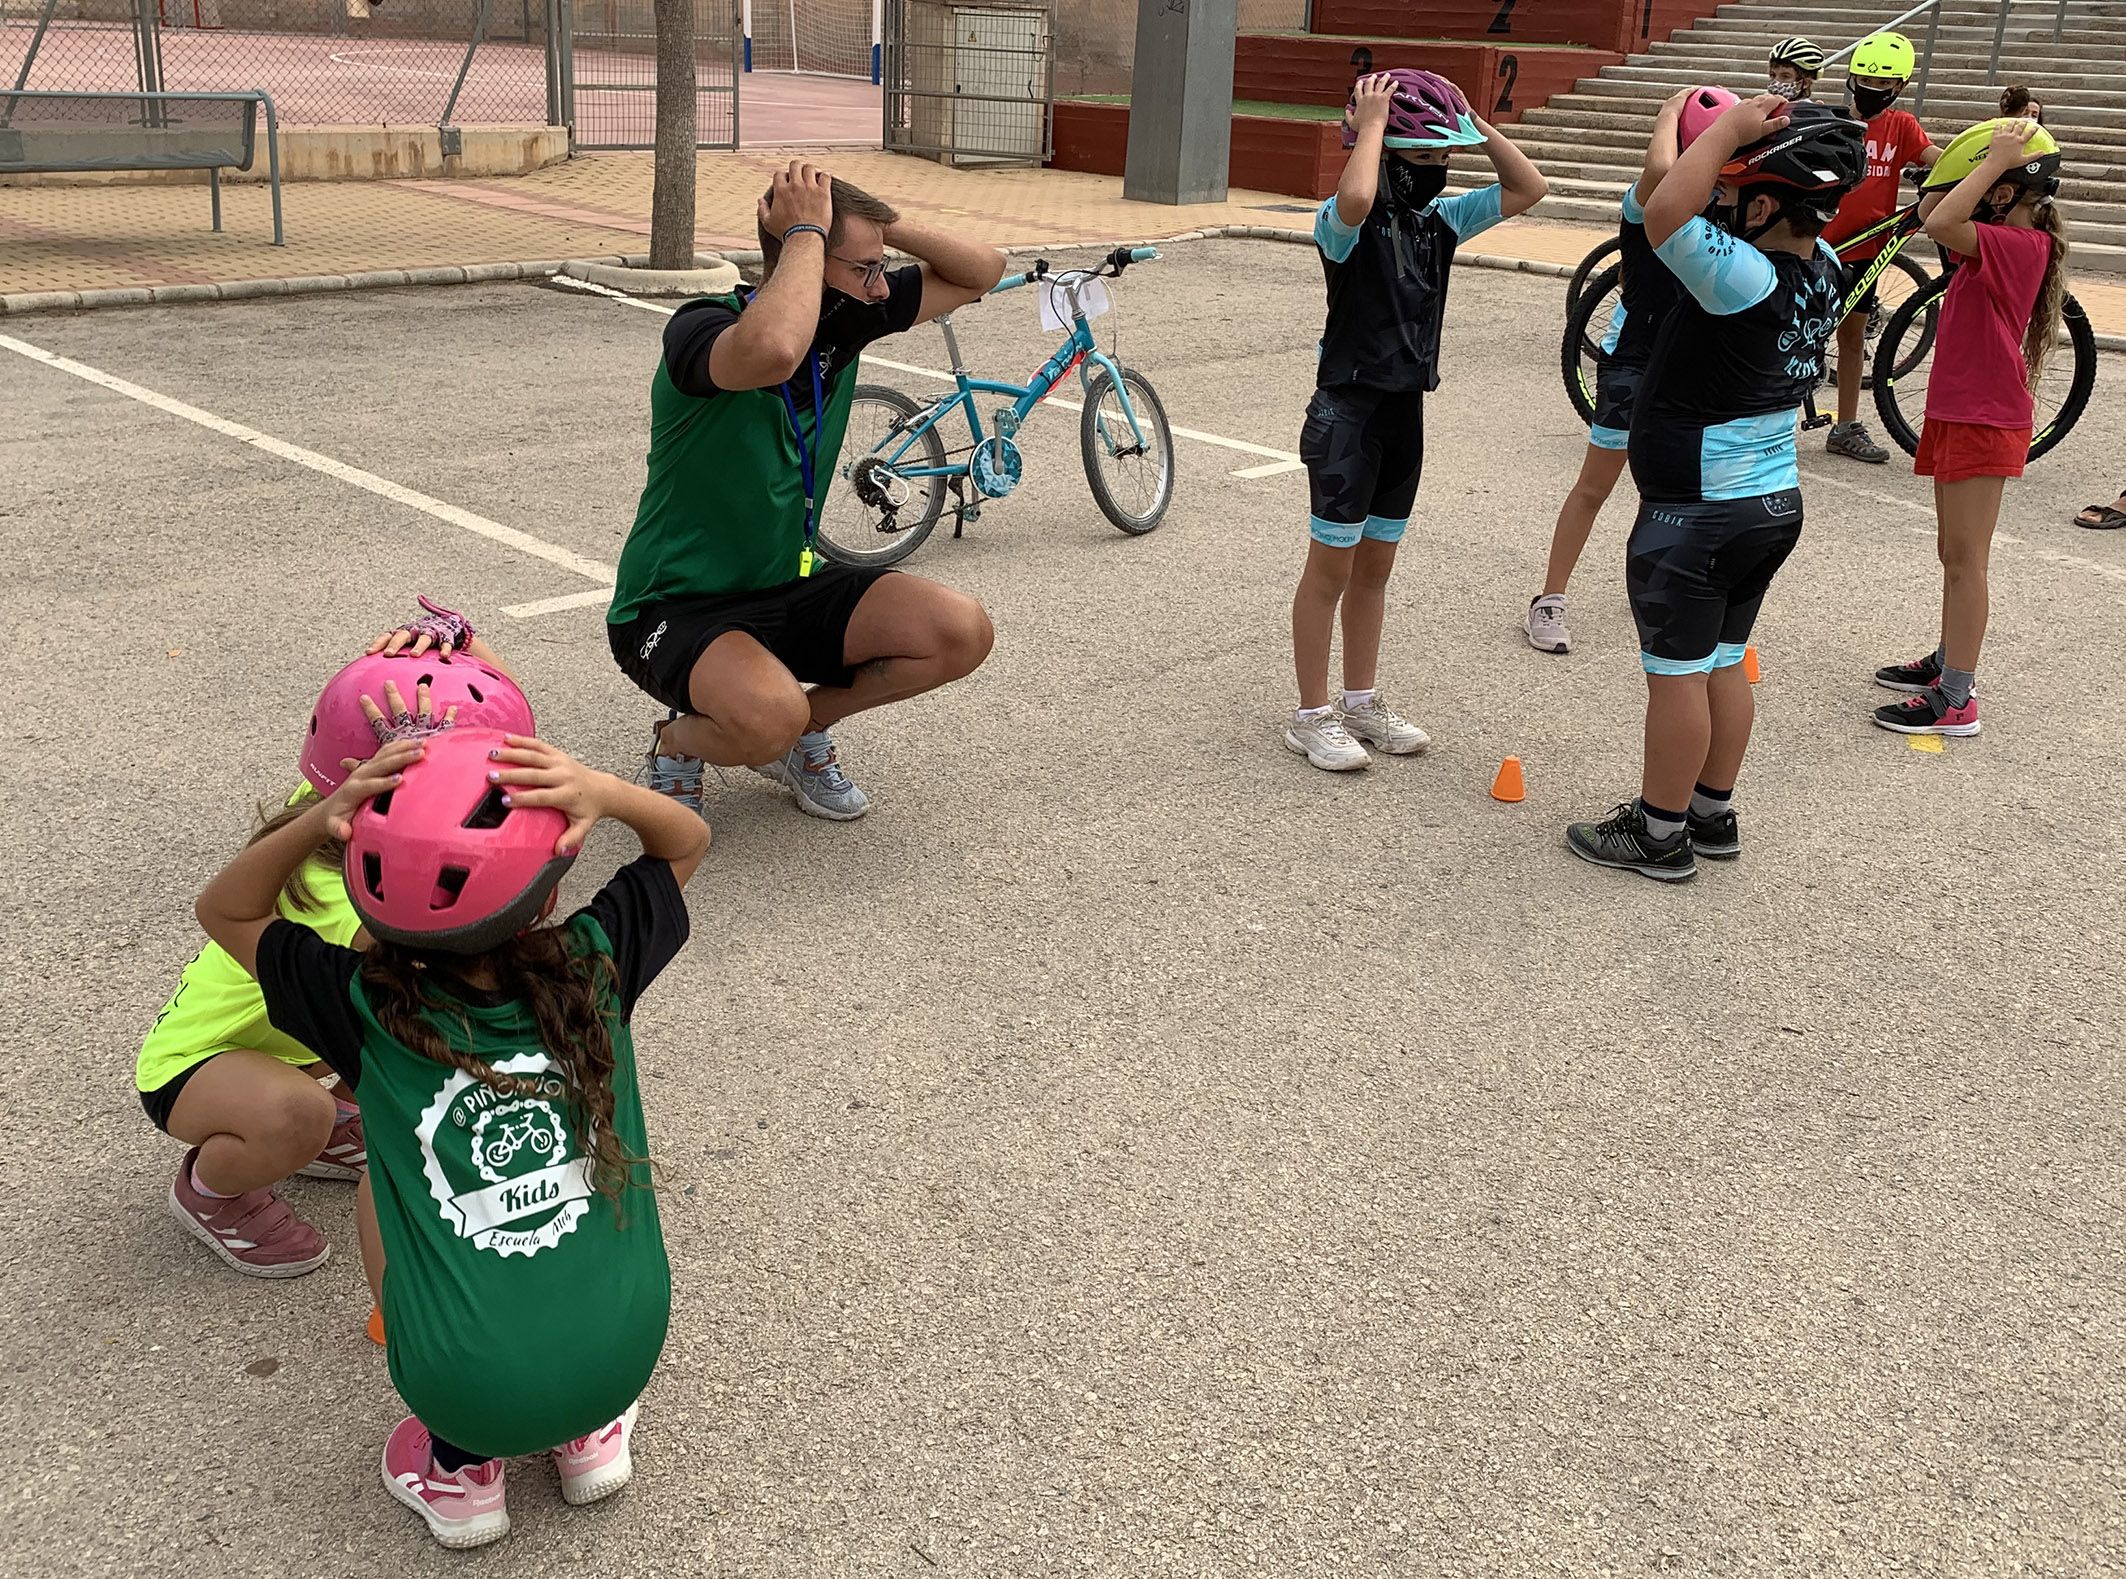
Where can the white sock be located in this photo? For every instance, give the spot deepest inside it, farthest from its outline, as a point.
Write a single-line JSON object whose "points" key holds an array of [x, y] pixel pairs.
{"points": [[1354, 701], [1308, 715], [200, 1185]]}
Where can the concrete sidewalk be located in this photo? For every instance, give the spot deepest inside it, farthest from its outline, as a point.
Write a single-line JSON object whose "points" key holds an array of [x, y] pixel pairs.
{"points": [[105, 237]]}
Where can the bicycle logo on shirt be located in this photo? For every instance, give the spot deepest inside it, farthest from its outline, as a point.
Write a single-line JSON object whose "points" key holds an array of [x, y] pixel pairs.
{"points": [[528, 1127]]}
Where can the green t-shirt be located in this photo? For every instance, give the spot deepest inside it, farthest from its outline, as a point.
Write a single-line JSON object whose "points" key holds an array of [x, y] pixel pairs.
{"points": [[723, 508], [522, 1308], [217, 1008]]}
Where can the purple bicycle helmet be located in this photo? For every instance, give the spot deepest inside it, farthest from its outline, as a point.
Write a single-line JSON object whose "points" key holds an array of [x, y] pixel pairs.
{"points": [[1427, 111]]}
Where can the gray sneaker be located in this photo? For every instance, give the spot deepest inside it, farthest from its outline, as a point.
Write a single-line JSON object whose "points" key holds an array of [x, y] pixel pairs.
{"points": [[678, 777], [1380, 725], [1324, 742], [1853, 439], [811, 773], [1545, 625]]}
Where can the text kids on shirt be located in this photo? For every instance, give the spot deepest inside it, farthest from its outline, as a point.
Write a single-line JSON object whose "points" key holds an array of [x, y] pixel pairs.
{"points": [[1387, 241], [525, 1288], [1712, 454], [1991, 203], [1881, 66], [250, 1102]]}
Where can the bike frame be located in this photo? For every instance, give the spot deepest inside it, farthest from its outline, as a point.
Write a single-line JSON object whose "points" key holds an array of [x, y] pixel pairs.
{"points": [[1077, 352], [1895, 232]]}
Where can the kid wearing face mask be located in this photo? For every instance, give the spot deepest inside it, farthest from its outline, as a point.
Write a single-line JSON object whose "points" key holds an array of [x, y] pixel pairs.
{"points": [[1793, 69], [1881, 66], [1387, 241]]}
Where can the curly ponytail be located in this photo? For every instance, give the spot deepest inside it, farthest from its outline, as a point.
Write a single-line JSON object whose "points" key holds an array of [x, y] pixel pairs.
{"points": [[2052, 291]]}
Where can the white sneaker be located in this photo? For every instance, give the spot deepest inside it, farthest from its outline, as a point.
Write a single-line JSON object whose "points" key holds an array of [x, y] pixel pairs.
{"points": [[1380, 725], [1545, 624], [1324, 742]]}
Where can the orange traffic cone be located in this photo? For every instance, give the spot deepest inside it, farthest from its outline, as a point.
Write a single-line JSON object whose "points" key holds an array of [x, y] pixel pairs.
{"points": [[376, 1325], [1509, 785], [1750, 671]]}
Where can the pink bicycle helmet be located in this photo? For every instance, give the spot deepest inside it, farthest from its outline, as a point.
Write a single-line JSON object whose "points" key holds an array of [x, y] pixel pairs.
{"points": [[1700, 110], [484, 697], [1427, 111], [439, 862]]}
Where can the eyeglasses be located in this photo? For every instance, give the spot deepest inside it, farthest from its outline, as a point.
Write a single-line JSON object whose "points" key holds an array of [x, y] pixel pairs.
{"points": [[873, 271]]}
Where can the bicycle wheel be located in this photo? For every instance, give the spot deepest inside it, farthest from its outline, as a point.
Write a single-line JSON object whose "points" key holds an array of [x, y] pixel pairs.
{"points": [[1902, 279], [872, 514], [1590, 329], [1580, 276], [1132, 479], [1901, 396]]}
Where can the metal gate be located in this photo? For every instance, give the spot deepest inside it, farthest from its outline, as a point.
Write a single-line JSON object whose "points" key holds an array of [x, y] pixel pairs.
{"points": [[609, 64], [969, 81]]}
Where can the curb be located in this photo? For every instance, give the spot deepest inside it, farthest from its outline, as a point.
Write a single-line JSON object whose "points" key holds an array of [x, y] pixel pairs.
{"points": [[25, 302]]}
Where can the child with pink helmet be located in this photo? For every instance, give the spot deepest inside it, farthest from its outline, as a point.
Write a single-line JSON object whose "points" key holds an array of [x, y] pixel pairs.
{"points": [[495, 1063], [252, 1104]]}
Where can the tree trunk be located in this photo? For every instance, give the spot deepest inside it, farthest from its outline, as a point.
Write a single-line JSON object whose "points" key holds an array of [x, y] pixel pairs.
{"points": [[672, 195]]}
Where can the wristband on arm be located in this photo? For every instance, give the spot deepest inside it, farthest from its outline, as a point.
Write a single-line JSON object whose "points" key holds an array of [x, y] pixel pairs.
{"points": [[798, 230]]}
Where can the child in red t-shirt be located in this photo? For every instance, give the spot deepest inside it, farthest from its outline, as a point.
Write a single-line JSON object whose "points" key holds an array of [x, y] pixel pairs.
{"points": [[1999, 318], [1881, 65]]}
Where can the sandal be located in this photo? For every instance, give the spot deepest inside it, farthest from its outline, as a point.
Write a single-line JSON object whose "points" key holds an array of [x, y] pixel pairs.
{"points": [[2101, 518]]}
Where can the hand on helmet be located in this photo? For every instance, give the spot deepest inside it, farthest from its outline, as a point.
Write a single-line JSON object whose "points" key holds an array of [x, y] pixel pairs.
{"points": [[365, 781], [396, 721], [533, 773], [2010, 141], [1758, 117], [1370, 101]]}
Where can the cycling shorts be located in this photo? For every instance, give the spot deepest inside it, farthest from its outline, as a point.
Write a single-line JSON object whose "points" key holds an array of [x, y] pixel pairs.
{"points": [[1616, 392], [1697, 574], [1364, 449]]}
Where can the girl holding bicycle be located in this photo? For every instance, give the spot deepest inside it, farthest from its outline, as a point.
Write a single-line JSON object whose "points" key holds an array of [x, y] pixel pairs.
{"points": [[1991, 205], [527, 1289]]}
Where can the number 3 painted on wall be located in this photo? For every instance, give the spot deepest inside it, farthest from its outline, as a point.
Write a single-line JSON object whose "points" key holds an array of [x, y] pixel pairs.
{"points": [[1510, 69]]}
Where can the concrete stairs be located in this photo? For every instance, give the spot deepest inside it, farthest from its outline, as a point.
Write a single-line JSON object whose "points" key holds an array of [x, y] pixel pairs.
{"points": [[1589, 141]]}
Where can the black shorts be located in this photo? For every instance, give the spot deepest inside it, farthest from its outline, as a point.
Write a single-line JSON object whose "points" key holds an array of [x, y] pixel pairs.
{"points": [[803, 623], [1697, 574], [158, 1103], [1365, 450], [1616, 392]]}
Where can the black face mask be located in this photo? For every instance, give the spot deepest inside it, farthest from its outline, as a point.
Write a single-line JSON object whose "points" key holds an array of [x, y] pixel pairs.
{"points": [[1734, 217], [1412, 186], [1871, 102]]}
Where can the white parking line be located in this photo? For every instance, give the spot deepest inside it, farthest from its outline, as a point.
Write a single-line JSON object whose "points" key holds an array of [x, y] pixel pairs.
{"points": [[340, 471], [1280, 461]]}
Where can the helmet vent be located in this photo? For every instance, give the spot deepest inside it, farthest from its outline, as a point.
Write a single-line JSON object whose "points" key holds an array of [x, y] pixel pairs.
{"points": [[490, 812], [473, 691], [450, 882], [382, 804], [373, 875], [313, 723]]}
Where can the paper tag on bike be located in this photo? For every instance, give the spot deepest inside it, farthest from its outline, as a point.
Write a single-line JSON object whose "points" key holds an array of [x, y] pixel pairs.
{"points": [[1093, 300]]}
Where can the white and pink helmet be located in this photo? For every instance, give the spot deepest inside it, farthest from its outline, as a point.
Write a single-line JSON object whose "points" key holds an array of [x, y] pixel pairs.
{"points": [[484, 697], [1427, 111]]}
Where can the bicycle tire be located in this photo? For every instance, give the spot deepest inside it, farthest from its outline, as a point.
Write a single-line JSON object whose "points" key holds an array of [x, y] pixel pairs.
{"points": [[1579, 382], [1921, 280], [902, 540], [1150, 413], [1588, 265], [2082, 339], [1888, 359]]}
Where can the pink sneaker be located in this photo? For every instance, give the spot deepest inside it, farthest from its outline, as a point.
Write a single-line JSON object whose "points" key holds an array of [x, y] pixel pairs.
{"points": [[597, 1465], [463, 1507], [345, 1156], [256, 1232]]}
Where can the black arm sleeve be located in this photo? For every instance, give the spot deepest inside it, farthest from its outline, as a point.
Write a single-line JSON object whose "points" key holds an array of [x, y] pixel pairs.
{"points": [[688, 335], [645, 918], [307, 984]]}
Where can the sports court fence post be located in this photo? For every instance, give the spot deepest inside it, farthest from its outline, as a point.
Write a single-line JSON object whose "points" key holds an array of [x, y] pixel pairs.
{"points": [[877, 77], [553, 62], [745, 34]]}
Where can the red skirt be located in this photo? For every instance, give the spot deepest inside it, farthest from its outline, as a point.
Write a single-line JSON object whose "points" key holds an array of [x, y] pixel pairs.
{"points": [[1959, 451]]}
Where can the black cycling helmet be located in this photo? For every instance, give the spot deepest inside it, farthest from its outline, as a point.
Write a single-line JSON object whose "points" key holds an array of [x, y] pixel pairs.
{"points": [[1808, 164]]}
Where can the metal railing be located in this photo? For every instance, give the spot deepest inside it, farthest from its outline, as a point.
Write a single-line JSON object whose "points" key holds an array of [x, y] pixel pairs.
{"points": [[1926, 51]]}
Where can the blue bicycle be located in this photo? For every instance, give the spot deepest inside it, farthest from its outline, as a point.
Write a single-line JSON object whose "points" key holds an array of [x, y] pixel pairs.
{"points": [[895, 472]]}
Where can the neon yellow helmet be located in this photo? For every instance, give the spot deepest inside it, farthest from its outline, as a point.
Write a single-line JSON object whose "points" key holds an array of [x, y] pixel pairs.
{"points": [[1883, 55], [2039, 172]]}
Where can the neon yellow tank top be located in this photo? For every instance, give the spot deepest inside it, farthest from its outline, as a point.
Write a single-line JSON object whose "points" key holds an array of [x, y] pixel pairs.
{"points": [[217, 1006]]}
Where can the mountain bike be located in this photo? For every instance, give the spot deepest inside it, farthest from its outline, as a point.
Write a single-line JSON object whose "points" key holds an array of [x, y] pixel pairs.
{"points": [[895, 472]]}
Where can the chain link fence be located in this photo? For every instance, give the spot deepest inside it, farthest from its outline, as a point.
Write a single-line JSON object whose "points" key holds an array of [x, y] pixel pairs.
{"points": [[1096, 40], [612, 73], [406, 62]]}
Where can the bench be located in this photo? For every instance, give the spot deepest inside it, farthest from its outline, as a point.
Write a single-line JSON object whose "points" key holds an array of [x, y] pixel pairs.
{"points": [[43, 131]]}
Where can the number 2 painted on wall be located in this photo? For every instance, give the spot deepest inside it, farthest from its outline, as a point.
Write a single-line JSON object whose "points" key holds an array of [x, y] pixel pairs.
{"points": [[1503, 22], [1510, 69]]}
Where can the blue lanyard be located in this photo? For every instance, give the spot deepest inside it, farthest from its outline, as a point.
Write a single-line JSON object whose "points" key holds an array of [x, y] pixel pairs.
{"points": [[806, 454]]}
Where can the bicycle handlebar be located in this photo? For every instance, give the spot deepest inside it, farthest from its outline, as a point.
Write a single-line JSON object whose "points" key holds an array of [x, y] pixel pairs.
{"points": [[1109, 267]]}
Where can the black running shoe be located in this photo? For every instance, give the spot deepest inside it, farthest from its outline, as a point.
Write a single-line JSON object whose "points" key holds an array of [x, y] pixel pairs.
{"points": [[1717, 838], [1621, 840], [1911, 678]]}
